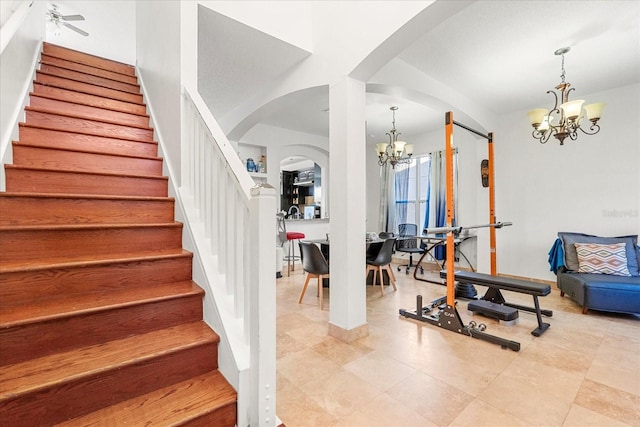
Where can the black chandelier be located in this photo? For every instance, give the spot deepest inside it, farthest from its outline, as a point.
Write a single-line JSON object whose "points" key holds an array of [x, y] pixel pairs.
{"points": [[392, 152], [569, 114]]}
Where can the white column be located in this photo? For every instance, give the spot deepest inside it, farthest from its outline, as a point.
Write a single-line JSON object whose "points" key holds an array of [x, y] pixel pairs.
{"points": [[347, 140]]}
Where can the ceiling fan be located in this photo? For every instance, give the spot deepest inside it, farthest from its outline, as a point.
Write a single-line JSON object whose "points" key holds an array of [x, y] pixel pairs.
{"points": [[60, 20]]}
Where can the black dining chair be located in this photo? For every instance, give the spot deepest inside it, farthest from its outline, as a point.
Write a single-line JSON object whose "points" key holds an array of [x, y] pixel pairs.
{"points": [[374, 247], [382, 262], [316, 266], [408, 245]]}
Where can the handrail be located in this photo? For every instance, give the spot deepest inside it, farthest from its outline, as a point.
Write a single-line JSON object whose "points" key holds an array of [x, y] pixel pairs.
{"points": [[14, 22], [233, 226]]}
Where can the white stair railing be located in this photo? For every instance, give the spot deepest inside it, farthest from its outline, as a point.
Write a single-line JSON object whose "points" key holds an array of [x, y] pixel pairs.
{"points": [[232, 222]]}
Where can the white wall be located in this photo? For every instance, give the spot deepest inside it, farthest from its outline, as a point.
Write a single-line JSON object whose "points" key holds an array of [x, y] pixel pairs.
{"points": [[591, 185], [286, 20], [16, 76], [343, 45], [158, 47]]}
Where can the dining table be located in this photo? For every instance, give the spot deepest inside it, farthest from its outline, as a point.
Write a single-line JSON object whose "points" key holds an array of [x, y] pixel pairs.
{"points": [[372, 246]]}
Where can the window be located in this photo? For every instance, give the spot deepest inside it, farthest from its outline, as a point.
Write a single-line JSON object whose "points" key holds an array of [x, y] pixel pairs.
{"points": [[412, 191], [420, 190]]}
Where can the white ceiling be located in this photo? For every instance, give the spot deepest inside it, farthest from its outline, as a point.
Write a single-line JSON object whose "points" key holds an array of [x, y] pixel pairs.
{"points": [[500, 54], [497, 53]]}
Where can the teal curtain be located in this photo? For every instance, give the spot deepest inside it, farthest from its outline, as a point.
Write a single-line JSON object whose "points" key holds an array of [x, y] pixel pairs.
{"points": [[437, 199]]}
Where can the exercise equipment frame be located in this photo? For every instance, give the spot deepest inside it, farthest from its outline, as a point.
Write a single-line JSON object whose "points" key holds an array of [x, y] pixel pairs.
{"points": [[443, 312]]}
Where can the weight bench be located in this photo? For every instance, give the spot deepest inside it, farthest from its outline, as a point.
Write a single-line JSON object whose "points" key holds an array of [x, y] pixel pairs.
{"points": [[498, 283]]}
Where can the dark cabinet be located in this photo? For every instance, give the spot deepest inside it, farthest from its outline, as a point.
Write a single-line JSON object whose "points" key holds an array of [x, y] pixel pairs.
{"points": [[296, 187], [286, 197]]}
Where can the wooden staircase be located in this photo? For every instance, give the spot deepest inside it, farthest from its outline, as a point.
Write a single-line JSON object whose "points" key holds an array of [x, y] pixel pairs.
{"points": [[100, 322]]}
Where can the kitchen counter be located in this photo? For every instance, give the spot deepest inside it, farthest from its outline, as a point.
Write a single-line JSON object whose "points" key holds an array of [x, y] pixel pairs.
{"points": [[312, 228], [316, 220]]}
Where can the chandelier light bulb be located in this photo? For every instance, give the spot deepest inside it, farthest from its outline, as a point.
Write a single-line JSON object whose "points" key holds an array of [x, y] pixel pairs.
{"points": [[572, 109], [594, 111]]}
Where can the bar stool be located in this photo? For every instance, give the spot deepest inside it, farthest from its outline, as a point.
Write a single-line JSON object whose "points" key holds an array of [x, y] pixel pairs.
{"points": [[289, 236]]}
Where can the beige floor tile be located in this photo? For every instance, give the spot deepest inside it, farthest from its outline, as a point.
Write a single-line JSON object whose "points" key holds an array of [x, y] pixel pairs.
{"points": [[315, 314], [289, 321], [625, 329], [287, 345], [341, 393], [384, 411], [582, 417], [311, 333], [481, 414], [305, 366], [490, 356], [385, 341], [532, 406], [554, 382], [380, 370], [617, 361], [341, 352], [617, 369], [433, 399], [610, 402], [467, 376], [296, 409], [558, 357]]}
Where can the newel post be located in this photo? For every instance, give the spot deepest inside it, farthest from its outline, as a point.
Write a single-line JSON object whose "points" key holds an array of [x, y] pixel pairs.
{"points": [[262, 305]]}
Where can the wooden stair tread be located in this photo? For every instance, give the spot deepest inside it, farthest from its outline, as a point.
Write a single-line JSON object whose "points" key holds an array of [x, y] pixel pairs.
{"points": [[47, 264], [161, 178], [87, 69], [59, 121], [73, 305], [49, 79], [76, 116], [44, 372], [90, 113], [73, 140], [87, 259], [45, 208], [75, 159], [167, 406], [72, 108], [87, 58], [78, 101], [84, 196], [67, 94], [90, 78], [83, 151], [71, 227]]}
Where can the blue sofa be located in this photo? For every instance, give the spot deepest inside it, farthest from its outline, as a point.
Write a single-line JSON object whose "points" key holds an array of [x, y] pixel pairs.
{"points": [[596, 291]]}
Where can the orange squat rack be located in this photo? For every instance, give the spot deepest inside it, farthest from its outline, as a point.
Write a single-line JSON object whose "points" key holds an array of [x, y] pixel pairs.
{"points": [[442, 312]]}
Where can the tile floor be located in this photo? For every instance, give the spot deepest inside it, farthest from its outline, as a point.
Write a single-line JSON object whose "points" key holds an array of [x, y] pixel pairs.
{"points": [[583, 371]]}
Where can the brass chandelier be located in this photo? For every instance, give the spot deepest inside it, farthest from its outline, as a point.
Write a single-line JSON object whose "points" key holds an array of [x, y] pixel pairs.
{"points": [[569, 114], [393, 151]]}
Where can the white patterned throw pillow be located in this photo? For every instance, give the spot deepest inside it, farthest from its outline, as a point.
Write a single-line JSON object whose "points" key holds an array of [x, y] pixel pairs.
{"points": [[602, 258]]}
